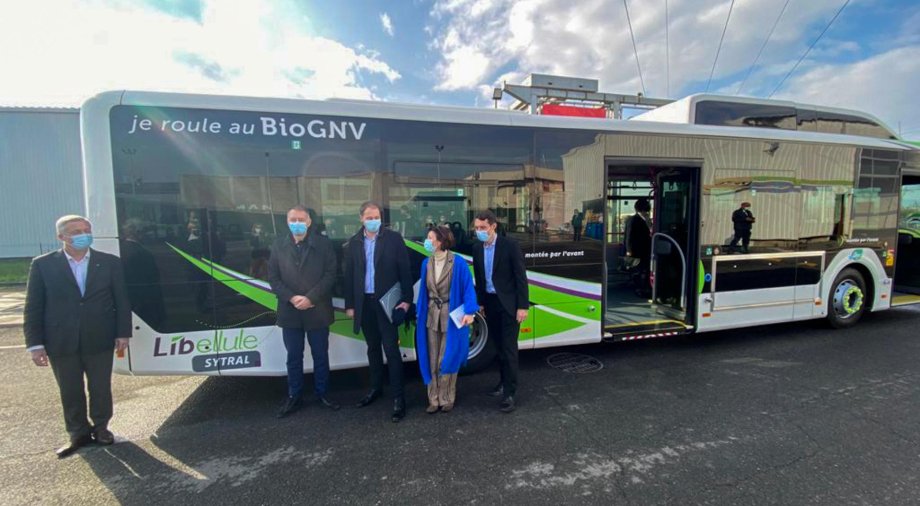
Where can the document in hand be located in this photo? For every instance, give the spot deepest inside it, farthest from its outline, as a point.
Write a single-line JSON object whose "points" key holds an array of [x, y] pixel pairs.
{"points": [[390, 300], [457, 316]]}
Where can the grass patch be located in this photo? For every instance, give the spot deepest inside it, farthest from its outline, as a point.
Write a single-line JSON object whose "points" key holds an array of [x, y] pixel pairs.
{"points": [[14, 270]]}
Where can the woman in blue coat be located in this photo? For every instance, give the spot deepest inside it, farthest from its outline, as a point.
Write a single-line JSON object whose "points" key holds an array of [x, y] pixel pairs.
{"points": [[445, 285]]}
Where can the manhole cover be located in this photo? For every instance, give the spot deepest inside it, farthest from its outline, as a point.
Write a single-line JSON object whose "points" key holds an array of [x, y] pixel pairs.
{"points": [[574, 363]]}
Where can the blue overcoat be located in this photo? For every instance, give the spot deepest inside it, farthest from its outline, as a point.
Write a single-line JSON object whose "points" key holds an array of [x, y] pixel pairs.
{"points": [[457, 347]]}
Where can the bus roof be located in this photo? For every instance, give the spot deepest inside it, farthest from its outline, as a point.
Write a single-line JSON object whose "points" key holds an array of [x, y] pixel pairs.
{"points": [[101, 103]]}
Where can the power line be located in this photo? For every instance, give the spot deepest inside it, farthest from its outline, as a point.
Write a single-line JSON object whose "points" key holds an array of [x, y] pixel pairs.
{"points": [[636, 51], [719, 50], [826, 28], [667, 45], [757, 58]]}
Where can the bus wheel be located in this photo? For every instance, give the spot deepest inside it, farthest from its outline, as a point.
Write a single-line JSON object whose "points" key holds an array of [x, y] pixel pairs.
{"points": [[848, 299], [481, 353]]}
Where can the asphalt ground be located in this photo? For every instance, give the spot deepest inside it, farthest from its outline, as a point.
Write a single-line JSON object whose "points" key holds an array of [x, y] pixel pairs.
{"points": [[785, 414]]}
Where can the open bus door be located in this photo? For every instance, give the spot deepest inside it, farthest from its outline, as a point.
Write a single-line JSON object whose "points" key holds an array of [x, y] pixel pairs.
{"points": [[907, 255], [650, 289]]}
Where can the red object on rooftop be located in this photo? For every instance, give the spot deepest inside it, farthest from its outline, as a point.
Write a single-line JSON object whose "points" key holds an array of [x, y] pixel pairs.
{"points": [[569, 110]]}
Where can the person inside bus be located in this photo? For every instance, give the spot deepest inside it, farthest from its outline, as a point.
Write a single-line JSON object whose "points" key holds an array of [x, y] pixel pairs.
{"points": [[376, 262], [742, 220], [77, 312], [443, 346], [639, 245], [301, 272], [503, 294]]}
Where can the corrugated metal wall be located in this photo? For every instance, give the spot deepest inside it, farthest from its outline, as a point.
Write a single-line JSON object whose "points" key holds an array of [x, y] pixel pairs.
{"points": [[40, 177]]}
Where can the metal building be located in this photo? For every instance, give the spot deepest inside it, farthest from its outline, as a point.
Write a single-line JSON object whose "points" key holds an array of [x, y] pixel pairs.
{"points": [[40, 177]]}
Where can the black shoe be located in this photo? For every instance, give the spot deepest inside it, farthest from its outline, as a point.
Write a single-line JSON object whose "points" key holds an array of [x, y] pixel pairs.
{"points": [[497, 391], [290, 405], [76, 444], [327, 403], [507, 405], [399, 410], [103, 436], [369, 398]]}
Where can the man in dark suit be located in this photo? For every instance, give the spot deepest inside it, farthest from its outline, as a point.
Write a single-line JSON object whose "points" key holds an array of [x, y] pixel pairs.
{"points": [[743, 221], [639, 245], [301, 271], [375, 261], [577, 221], [76, 313], [501, 287]]}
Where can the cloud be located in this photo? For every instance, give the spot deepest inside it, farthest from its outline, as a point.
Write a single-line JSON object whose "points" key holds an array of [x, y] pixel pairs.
{"points": [[883, 85], [590, 38], [208, 68], [253, 49], [387, 23]]}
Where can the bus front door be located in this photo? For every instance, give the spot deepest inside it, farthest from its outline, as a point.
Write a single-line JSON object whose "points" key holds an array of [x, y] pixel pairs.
{"points": [[651, 252]]}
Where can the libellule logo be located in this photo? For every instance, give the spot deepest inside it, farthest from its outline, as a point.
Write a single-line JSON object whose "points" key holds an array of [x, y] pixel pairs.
{"points": [[219, 342]]}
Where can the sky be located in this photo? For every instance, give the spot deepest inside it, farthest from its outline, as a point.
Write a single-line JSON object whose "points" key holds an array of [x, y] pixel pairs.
{"points": [[454, 52]]}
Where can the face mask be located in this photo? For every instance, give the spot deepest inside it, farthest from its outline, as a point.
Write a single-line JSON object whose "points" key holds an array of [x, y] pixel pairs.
{"points": [[482, 235], [298, 227], [81, 241], [372, 225], [429, 246]]}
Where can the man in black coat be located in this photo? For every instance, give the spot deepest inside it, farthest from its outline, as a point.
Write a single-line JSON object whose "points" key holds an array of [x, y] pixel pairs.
{"points": [[501, 288], [77, 312], [742, 220], [375, 261], [301, 271], [639, 245]]}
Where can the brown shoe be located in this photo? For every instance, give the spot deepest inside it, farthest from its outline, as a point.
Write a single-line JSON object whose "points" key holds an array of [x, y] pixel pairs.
{"points": [[447, 407], [103, 436], [432, 409]]}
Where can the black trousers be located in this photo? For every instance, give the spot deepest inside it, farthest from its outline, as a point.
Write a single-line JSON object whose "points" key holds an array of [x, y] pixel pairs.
{"points": [[379, 332], [744, 236], [69, 371], [503, 334]]}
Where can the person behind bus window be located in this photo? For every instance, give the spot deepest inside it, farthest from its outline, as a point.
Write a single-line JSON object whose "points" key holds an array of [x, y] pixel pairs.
{"points": [[503, 294], [443, 347], [639, 245], [742, 220], [577, 221], [77, 313], [377, 260], [301, 272]]}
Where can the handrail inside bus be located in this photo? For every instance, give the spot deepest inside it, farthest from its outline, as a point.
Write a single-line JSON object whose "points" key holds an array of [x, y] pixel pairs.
{"points": [[683, 270]]}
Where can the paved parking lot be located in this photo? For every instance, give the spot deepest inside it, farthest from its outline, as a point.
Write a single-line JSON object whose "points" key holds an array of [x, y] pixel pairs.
{"points": [[786, 414]]}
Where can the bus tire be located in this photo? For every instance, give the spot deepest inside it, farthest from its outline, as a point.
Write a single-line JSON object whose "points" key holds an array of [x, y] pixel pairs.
{"points": [[847, 299], [482, 353]]}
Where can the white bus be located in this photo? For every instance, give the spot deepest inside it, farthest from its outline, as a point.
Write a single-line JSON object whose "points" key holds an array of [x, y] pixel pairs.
{"points": [[189, 190]]}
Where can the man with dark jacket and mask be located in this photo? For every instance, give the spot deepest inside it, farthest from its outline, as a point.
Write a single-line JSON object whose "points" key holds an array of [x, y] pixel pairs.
{"points": [[301, 271], [742, 220]]}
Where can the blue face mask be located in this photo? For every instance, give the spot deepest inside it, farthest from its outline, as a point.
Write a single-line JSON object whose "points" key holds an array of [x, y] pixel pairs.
{"points": [[81, 241], [482, 235], [429, 246], [372, 225], [298, 227]]}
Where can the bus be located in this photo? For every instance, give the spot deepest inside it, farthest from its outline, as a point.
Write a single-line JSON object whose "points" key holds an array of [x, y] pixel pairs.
{"points": [[190, 190]]}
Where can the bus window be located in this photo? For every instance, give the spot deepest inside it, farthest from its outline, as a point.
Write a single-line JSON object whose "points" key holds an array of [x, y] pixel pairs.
{"points": [[569, 200], [444, 175], [741, 114]]}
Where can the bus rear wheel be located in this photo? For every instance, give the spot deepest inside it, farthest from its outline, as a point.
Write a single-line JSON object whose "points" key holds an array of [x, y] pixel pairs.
{"points": [[481, 352], [848, 299]]}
